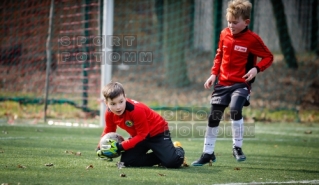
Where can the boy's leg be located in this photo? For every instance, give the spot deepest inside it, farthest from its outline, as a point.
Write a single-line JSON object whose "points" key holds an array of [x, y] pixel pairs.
{"points": [[162, 146], [215, 116], [236, 106], [138, 156], [211, 135]]}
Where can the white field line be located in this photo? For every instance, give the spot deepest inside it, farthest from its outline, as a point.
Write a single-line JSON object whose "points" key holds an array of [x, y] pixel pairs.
{"points": [[292, 127], [16, 138], [285, 133], [287, 182]]}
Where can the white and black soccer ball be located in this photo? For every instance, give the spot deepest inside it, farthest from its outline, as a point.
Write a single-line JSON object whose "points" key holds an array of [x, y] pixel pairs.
{"points": [[105, 144]]}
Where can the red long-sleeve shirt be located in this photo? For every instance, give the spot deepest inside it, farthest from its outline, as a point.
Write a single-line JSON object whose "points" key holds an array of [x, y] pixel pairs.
{"points": [[138, 120], [237, 54]]}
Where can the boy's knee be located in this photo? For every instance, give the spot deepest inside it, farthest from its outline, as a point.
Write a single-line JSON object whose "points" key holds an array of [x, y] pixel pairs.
{"points": [[213, 122], [176, 161]]}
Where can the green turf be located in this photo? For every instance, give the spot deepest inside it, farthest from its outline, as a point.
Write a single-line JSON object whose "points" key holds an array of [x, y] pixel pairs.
{"points": [[277, 153]]}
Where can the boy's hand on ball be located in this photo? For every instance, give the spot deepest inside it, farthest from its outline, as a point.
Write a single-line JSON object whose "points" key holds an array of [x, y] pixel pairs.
{"points": [[110, 150]]}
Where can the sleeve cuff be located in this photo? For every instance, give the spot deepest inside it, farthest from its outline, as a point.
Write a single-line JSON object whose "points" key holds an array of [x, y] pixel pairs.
{"points": [[258, 70], [119, 147]]}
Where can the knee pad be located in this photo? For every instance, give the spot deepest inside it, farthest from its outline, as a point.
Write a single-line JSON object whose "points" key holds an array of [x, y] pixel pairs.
{"points": [[213, 121]]}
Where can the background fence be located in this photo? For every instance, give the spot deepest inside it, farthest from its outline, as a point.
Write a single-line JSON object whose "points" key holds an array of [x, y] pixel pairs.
{"points": [[181, 37]]}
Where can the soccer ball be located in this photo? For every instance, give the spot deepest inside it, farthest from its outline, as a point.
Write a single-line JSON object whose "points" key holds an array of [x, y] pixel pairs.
{"points": [[106, 145]]}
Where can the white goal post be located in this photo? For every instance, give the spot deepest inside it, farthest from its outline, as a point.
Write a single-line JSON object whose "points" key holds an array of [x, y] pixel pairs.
{"points": [[106, 67]]}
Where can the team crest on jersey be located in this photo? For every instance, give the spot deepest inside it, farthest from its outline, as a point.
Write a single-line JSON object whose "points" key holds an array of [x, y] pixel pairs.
{"points": [[129, 123], [240, 48]]}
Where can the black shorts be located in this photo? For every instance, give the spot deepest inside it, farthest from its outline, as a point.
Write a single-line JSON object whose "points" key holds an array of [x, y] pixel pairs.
{"points": [[154, 150], [222, 94]]}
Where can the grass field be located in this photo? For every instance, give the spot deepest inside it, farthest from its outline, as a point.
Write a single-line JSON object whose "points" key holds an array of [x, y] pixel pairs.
{"points": [[278, 154]]}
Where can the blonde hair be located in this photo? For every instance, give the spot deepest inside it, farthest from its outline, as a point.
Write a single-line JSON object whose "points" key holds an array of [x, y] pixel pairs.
{"points": [[239, 8]]}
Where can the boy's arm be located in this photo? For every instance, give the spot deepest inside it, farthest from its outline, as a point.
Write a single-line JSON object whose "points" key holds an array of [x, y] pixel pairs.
{"points": [[260, 49], [218, 57], [109, 124], [141, 126]]}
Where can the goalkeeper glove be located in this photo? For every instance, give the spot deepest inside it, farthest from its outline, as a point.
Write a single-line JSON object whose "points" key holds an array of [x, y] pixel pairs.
{"points": [[100, 155], [112, 149]]}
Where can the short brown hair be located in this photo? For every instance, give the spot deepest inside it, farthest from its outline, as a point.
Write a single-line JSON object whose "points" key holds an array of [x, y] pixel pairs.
{"points": [[112, 90], [237, 8]]}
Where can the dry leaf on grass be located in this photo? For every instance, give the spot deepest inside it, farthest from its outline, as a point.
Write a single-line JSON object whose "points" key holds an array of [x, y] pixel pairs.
{"points": [[308, 132], [185, 163], [74, 153], [160, 174], [90, 166], [210, 163], [49, 164], [20, 166]]}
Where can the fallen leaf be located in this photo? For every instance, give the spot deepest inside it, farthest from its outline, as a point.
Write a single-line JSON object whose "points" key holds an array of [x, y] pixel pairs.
{"points": [[122, 175], [49, 164], [90, 166], [20, 166], [308, 132], [210, 163], [160, 174]]}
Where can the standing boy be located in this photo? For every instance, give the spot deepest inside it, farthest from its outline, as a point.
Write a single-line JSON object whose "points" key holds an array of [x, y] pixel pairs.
{"points": [[236, 66], [148, 129]]}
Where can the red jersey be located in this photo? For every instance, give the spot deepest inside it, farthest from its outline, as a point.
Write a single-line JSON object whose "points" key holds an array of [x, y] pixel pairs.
{"points": [[138, 120], [237, 54]]}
